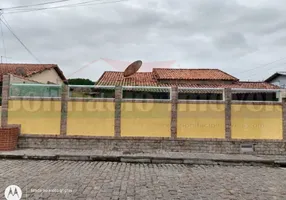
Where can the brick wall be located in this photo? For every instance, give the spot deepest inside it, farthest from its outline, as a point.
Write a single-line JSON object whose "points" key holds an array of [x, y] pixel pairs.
{"points": [[9, 137], [266, 147]]}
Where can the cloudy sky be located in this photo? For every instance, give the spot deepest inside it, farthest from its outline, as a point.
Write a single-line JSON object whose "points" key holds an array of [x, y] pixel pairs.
{"points": [[244, 38]]}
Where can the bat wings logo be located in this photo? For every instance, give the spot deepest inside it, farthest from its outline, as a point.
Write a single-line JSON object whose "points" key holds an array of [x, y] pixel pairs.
{"points": [[13, 192]]}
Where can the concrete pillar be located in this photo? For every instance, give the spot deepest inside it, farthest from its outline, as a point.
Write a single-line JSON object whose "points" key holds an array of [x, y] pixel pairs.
{"points": [[5, 98], [284, 117], [227, 100], [174, 108], [117, 119], [64, 109]]}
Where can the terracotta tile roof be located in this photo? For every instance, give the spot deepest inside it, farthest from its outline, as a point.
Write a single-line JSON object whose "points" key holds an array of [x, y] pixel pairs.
{"points": [[138, 79], [30, 69], [258, 85], [149, 79], [192, 74], [238, 84]]}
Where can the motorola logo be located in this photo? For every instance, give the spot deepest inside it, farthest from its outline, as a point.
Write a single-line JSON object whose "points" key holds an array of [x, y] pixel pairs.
{"points": [[13, 192]]}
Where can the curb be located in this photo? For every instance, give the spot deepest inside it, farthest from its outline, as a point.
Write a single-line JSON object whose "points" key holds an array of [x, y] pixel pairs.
{"points": [[12, 157], [105, 158], [280, 163], [72, 157], [148, 160], [39, 157], [160, 160]]}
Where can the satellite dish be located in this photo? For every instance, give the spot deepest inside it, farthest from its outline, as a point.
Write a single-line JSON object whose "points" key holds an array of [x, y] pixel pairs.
{"points": [[132, 68], [20, 71]]}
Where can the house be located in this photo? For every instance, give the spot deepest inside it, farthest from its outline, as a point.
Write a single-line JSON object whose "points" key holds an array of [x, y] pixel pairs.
{"points": [[38, 73], [193, 78], [279, 79], [189, 78]]}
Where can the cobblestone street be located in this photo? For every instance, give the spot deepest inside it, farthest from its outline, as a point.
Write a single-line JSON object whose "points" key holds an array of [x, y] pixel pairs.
{"points": [[107, 180]]}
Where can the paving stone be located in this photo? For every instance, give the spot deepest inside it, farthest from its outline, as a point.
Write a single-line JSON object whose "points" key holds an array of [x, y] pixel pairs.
{"points": [[40, 179]]}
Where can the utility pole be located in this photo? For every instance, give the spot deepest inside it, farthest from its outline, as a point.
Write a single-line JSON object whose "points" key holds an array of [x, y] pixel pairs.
{"points": [[4, 57]]}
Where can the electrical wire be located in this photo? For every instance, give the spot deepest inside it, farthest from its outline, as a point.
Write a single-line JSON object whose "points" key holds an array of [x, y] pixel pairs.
{"points": [[262, 66], [278, 66], [89, 3], [39, 4], [85, 3], [10, 29], [45, 8], [83, 67], [3, 41]]}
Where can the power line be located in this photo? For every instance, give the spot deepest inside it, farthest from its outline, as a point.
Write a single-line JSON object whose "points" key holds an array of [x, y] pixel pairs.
{"points": [[5, 57], [85, 3], [83, 67], [10, 29], [251, 75], [255, 51], [39, 4], [3, 41], [262, 66]]}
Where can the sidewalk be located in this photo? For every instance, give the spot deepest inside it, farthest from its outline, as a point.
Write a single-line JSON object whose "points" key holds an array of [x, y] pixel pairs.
{"points": [[159, 157]]}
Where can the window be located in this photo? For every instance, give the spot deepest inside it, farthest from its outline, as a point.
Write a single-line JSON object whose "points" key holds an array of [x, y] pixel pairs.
{"points": [[136, 92], [145, 95], [210, 94], [200, 96], [255, 96], [84, 91]]}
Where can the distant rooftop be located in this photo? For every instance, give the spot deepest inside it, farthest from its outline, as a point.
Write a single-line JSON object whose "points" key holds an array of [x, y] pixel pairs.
{"points": [[28, 69], [275, 75], [186, 78]]}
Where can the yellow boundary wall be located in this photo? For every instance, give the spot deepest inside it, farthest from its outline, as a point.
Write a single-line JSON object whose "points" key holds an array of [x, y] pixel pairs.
{"points": [[90, 118], [35, 117], [256, 121], [201, 120], [146, 119]]}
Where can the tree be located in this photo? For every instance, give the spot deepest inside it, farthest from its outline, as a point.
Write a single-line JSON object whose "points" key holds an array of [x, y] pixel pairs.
{"points": [[80, 81]]}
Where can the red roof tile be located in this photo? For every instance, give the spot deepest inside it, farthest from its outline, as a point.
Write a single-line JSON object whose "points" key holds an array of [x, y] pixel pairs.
{"points": [[192, 74], [117, 78], [238, 84], [258, 85], [148, 79], [30, 69]]}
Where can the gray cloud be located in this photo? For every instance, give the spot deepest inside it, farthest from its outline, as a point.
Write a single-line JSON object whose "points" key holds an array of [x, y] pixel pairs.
{"points": [[231, 40], [232, 35]]}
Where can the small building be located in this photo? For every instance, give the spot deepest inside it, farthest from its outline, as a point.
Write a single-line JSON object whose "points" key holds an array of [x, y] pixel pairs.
{"points": [[188, 78], [41, 73], [279, 79], [32, 74]]}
